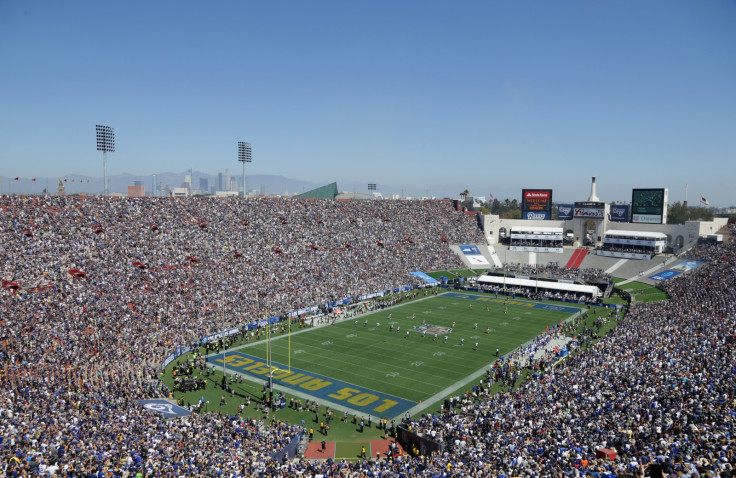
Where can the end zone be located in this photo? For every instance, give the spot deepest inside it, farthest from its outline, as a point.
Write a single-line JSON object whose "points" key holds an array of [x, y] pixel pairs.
{"points": [[342, 394]]}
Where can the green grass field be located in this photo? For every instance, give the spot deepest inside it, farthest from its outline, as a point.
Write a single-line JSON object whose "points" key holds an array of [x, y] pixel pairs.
{"points": [[366, 368], [372, 361], [642, 292], [456, 273]]}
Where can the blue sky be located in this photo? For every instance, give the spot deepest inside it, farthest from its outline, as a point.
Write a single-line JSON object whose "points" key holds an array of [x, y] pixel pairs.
{"points": [[423, 96]]}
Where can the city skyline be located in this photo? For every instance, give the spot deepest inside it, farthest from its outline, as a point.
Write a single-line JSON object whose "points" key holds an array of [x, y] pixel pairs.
{"points": [[162, 184], [425, 97]]}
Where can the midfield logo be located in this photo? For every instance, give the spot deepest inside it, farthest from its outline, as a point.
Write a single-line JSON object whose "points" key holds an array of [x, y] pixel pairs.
{"points": [[431, 329]]}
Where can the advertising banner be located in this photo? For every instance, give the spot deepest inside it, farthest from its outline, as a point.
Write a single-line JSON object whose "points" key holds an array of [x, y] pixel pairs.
{"points": [[646, 218], [664, 275], [426, 278], [687, 265], [477, 260], [590, 209], [589, 212], [537, 216], [564, 212], [470, 250], [620, 212], [220, 335]]}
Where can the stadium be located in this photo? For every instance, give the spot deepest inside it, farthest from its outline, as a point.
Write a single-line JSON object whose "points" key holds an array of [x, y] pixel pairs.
{"points": [[321, 337]]}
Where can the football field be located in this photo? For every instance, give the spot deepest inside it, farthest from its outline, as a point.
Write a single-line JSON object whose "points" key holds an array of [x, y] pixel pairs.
{"points": [[398, 359]]}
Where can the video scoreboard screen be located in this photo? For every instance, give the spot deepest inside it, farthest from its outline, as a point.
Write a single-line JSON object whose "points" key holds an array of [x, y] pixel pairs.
{"points": [[648, 205], [536, 204]]}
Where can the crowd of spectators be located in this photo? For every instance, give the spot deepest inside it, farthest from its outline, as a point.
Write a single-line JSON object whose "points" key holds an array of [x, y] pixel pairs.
{"points": [[97, 291], [660, 389], [78, 350]]}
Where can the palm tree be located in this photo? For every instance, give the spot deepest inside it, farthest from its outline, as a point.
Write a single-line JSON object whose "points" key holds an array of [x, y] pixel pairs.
{"points": [[464, 194]]}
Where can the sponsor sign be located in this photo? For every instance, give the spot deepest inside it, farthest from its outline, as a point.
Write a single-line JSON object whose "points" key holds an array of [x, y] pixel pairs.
{"points": [[164, 408], [646, 218], [426, 278], [304, 311], [537, 216], [564, 212], [176, 354], [471, 250], [620, 212], [477, 260], [589, 212], [647, 205], [347, 395], [219, 335], [536, 204], [664, 275], [372, 295], [687, 266]]}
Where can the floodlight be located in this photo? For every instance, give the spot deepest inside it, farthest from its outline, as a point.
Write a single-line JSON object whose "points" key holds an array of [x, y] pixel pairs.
{"points": [[244, 156], [106, 144]]}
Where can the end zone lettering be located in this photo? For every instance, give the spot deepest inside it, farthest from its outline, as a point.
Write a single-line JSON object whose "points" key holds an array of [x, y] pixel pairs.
{"points": [[345, 394]]}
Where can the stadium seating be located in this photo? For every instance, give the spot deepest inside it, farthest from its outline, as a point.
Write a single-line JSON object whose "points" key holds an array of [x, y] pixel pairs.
{"points": [[79, 352]]}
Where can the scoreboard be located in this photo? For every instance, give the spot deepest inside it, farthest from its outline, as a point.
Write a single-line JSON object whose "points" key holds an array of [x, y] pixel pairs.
{"points": [[536, 204], [649, 206]]}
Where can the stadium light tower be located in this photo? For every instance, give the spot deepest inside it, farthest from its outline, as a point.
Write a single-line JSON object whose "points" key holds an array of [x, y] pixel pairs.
{"points": [[105, 143], [244, 156]]}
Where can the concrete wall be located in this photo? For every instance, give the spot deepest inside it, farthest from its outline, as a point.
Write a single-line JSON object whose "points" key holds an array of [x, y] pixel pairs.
{"points": [[712, 227]]}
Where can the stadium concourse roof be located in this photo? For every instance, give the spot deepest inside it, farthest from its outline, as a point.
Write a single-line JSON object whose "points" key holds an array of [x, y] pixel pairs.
{"points": [[548, 285], [323, 192], [637, 234]]}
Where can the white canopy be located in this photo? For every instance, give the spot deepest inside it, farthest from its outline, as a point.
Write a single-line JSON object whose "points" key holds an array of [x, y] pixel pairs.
{"points": [[637, 234], [554, 286]]}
